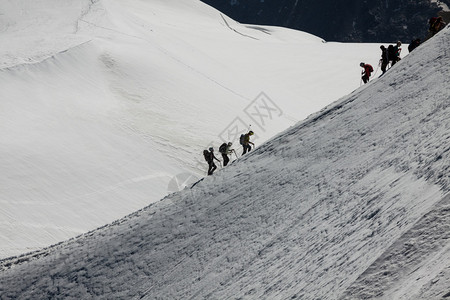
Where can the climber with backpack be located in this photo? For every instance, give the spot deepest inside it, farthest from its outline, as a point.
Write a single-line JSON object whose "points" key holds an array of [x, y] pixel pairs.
{"points": [[366, 72], [397, 51], [245, 142], [413, 45], [436, 24], [384, 61], [225, 150], [209, 157], [391, 54]]}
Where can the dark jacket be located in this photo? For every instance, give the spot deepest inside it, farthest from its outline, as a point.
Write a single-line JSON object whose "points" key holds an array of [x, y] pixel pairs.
{"points": [[384, 55]]}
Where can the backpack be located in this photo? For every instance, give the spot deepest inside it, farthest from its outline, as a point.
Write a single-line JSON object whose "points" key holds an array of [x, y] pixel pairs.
{"points": [[414, 44], [242, 139], [432, 23], [223, 148], [207, 155], [370, 68], [391, 52]]}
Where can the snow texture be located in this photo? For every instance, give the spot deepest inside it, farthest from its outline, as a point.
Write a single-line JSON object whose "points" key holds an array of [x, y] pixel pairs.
{"points": [[106, 106], [351, 203]]}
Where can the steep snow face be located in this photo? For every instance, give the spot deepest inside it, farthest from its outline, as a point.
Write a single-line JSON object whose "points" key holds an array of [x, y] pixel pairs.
{"points": [[351, 203], [106, 106]]}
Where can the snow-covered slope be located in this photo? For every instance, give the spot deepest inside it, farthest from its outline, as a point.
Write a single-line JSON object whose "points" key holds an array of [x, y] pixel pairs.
{"points": [[351, 203], [104, 105]]}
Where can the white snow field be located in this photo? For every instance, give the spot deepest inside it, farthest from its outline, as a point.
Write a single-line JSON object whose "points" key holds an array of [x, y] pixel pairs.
{"points": [[351, 203], [106, 106], [103, 102]]}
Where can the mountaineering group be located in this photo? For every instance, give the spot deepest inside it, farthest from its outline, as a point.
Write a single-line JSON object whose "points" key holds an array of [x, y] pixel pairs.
{"points": [[391, 54], [225, 149], [389, 57]]}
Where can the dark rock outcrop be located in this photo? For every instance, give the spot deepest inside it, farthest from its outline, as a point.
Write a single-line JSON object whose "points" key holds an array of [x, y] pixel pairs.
{"points": [[338, 20]]}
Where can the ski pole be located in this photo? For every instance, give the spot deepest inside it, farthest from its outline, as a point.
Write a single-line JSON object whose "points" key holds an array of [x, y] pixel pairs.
{"points": [[377, 69]]}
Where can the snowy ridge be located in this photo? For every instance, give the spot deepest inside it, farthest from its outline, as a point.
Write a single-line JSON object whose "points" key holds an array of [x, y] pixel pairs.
{"points": [[314, 213], [104, 103]]}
